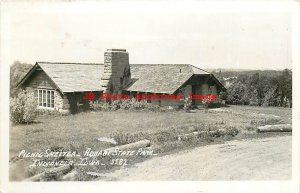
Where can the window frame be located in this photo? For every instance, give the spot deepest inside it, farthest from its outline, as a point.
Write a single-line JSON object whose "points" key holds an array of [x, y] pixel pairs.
{"points": [[43, 98]]}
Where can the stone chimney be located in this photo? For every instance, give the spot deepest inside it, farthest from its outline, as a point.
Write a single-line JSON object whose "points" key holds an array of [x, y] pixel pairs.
{"points": [[116, 73]]}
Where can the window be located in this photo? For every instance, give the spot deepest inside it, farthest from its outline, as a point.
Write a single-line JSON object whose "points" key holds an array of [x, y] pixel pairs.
{"points": [[45, 98]]}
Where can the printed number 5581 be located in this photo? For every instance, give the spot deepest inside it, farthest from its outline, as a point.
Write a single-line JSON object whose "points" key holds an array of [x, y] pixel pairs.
{"points": [[118, 162]]}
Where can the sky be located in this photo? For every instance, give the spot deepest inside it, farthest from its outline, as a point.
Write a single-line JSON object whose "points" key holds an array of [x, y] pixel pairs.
{"points": [[205, 35]]}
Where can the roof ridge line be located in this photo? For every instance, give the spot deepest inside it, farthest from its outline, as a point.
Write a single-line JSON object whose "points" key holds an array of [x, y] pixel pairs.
{"points": [[200, 68], [161, 64], [69, 63]]}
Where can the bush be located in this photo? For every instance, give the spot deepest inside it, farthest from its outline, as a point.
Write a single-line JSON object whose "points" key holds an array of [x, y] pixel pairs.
{"points": [[214, 105], [125, 104], [165, 136], [100, 106], [210, 132], [230, 130], [23, 108], [187, 104], [156, 108], [123, 138], [115, 105], [128, 104], [45, 112], [138, 105]]}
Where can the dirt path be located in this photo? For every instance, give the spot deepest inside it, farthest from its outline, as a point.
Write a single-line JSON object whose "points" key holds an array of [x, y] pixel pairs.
{"points": [[256, 159]]}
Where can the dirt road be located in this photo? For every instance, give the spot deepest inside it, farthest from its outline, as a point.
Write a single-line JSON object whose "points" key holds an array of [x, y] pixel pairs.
{"points": [[256, 159]]}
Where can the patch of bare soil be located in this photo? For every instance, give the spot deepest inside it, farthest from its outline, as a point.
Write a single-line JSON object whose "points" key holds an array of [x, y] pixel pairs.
{"points": [[256, 159]]}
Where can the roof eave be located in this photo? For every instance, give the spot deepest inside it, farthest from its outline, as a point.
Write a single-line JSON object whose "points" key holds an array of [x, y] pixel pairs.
{"points": [[220, 84], [65, 92], [149, 91]]}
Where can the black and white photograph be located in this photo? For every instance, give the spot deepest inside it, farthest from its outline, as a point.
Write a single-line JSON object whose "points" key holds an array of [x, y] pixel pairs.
{"points": [[150, 91]]}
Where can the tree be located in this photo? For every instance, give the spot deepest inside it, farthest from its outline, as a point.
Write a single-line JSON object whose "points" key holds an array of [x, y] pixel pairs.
{"points": [[236, 94], [270, 98], [283, 86], [17, 71], [267, 88]]}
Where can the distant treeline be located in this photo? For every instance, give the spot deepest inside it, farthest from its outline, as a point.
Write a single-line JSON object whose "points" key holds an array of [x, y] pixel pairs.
{"points": [[258, 88]]}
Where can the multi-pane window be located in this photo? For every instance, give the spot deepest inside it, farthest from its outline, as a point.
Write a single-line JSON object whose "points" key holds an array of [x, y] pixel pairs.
{"points": [[45, 98]]}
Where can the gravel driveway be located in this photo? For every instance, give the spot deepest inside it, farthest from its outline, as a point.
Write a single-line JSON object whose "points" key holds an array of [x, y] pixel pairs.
{"points": [[256, 159]]}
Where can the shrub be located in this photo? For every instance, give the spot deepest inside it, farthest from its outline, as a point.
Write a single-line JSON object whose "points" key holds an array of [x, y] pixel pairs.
{"points": [[187, 104], [210, 132], [138, 105], [23, 108], [213, 104], [115, 105], [123, 138], [190, 139], [250, 128], [230, 130], [125, 104], [128, 104], [94, 105], [154, 108], [162, 137], [45, 112], [100, 106], [205, 104]]}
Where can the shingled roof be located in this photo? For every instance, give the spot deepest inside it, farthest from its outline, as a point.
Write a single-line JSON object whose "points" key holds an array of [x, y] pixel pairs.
{"points": [[74, 77], [71, 77], [153, 78], [161, 78]]}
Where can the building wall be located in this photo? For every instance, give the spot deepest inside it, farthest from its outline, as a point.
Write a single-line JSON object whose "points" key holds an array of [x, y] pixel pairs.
{"points": [[203, 85], [64, 103], [72, 102], [198, 87], [39, 80], [184, 91]]}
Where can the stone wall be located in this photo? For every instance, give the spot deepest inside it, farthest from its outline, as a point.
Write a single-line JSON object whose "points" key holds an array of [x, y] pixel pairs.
{"points": [[39, 80], [58, 101]]}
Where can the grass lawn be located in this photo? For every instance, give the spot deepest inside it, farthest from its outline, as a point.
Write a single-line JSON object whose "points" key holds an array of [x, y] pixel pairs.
{"points": [[81, 131]]}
